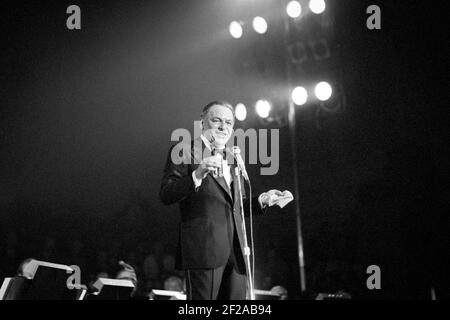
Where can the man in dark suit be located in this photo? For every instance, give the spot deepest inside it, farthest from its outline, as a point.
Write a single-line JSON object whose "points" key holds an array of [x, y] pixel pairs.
{"points": [[210, 246]]}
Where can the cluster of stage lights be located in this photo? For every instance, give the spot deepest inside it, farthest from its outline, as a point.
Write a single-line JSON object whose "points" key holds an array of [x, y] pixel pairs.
{"points": [[259, 24], [299, 96]]}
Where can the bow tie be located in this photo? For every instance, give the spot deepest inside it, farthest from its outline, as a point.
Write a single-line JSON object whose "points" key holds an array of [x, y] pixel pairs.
{"points": [[219, 151]]}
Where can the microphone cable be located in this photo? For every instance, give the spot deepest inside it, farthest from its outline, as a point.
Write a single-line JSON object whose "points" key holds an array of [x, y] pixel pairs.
{"points": [[252, 245], [252, 242]]}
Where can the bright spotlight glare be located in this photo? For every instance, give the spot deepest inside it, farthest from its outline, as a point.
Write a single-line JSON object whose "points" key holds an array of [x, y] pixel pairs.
{"points": [[260, 25], [294, 9], [236, 29], [240, 112], [299, 96], [323, 91], [263, 108], [317, 6]]}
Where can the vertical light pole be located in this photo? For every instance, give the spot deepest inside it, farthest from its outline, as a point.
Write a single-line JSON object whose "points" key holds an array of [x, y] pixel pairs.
{"points": [[292, 135], [293, 141]]}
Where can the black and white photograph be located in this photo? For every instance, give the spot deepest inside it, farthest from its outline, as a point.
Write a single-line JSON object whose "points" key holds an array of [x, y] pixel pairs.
{"points": [[230, 150]]}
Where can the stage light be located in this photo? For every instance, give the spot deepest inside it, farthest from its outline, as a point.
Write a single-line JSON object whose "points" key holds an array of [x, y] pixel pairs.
{"points": [[298, 52], [263, 108], [294, 9], [236, 29], [260, 25], [323, 91], [299, 96], [317, 6], [240, 112], [320, 49]]}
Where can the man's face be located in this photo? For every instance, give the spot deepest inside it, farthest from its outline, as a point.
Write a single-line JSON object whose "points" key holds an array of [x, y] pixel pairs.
{"points": [[218, 125]]}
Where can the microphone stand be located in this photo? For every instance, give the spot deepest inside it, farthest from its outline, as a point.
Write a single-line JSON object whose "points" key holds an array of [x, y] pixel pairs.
{"points": [[247, 252]]}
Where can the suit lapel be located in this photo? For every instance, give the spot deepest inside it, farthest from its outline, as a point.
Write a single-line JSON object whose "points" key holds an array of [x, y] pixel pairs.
{"points": [[221, 181]]}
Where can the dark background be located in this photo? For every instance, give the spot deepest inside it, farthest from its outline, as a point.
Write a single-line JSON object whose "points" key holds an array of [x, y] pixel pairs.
{"points": [[86, 118]]}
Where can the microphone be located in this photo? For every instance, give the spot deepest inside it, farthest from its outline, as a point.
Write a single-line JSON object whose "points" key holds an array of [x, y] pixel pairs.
{"points": [[237, 155], [220, 169], [215, 151]]}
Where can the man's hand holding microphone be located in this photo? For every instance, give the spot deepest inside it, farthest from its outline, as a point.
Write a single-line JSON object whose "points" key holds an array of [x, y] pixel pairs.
{"points": [[209, 164]]}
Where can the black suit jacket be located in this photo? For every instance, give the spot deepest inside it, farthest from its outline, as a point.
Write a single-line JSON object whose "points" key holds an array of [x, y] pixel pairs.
{"points": [[207, 212]]}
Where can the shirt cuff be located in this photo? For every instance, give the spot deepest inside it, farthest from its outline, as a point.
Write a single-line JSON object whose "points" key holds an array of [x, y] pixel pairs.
{"points": [[197, 182]]}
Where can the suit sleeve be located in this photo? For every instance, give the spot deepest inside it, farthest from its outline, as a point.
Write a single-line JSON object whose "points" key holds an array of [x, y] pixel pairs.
{"points": [[256, 206], [176, 183]]}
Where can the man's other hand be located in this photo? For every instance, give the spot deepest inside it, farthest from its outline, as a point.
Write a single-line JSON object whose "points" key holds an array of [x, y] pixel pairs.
{"points": [[265, 197]]}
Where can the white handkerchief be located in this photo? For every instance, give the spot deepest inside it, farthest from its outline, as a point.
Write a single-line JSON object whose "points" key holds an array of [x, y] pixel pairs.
{"points": [[282, 200]]}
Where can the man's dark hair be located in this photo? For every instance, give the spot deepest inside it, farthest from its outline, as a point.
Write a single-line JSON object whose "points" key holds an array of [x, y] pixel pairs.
{"points": [[216, 103]]}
